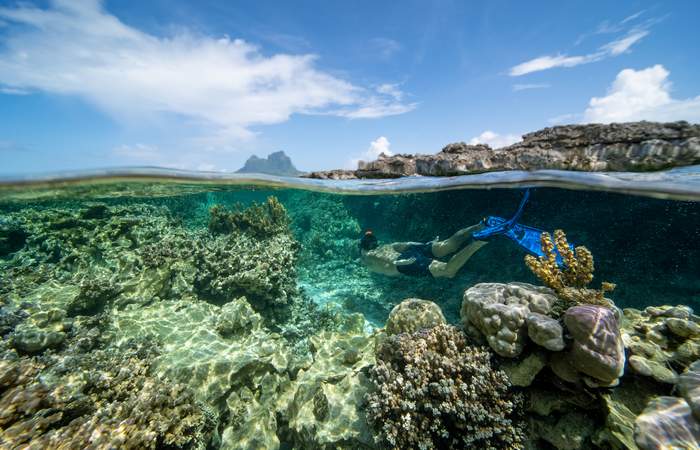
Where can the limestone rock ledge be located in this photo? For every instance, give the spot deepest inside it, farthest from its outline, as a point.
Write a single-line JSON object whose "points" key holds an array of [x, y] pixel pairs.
{"points": [[632, 147]]}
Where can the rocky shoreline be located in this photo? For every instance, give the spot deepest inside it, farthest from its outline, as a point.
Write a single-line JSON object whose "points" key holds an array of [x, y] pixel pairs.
{"points": [[630, 147]]}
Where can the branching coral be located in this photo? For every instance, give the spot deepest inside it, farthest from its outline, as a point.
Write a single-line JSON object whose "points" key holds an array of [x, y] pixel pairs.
{"points": [[436, 391], [107, 401], [259, 220], [568, 282], [231, 266]]}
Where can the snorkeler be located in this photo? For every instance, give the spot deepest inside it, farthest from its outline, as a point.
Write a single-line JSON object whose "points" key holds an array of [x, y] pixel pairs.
{"points": [[418, 258], [421, 259]]}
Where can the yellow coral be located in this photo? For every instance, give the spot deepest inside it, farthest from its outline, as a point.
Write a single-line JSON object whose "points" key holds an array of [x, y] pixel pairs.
{"points": [[570, 282]]}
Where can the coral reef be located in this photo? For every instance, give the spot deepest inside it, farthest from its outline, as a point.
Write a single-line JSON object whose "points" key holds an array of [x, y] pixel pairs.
{"points": [[662, 341], [245, 358], [570, 282], [262, 388], [433, 390], [667, 422], [597, 350], [672, 422], [412, 315], [108, 401], [500, 312], [234, 265], [259, 220], [325, 405]]}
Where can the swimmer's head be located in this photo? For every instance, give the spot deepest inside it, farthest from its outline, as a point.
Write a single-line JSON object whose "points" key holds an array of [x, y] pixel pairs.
{"points": [[368, 241]]}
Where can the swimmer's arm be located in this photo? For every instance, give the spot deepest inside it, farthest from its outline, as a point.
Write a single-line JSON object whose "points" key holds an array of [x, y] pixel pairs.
{"points": [[404, 262]]}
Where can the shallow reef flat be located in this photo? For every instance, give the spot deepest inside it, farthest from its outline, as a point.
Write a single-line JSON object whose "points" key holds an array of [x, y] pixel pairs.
{"points": [[243, 319]]}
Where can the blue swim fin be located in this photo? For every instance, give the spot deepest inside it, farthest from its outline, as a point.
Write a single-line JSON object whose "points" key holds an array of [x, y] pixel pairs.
{"points": [[528, 238]]}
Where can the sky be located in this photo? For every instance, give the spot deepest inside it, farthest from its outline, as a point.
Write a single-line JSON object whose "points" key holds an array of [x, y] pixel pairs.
{"points": [[202, 85]]}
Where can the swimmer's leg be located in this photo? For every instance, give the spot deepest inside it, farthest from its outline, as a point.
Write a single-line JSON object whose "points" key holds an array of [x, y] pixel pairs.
{"points": [[454, 242], [450, 268]]}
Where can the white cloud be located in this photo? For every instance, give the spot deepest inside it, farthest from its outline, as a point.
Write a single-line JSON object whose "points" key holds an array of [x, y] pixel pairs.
{"points": [[376, 148], [642, 95], [494, 140], [548, 62], [524, 87], [225, 85]]}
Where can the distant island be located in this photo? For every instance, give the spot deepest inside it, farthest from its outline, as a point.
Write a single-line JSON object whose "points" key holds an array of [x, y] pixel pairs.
{"points": [[277, 163]]}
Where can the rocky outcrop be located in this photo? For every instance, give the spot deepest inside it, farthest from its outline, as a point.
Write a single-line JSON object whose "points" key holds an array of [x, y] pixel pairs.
{"points": [[633, 147]]}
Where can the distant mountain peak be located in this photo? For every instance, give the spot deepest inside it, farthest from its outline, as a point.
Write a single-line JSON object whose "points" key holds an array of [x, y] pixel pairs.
{"points": [[276, 163]]}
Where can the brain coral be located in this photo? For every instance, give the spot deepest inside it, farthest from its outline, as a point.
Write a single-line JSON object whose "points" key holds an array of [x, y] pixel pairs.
{"points": [[433, 390]]}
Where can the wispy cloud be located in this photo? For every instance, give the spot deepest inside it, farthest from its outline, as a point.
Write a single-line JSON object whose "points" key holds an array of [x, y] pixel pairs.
{"points": [[525, 87], [386, 100], [620, 46], [610, 27], [13, 91], [391, 90], [384, 47], [550, 62], [77, 48], [632, 17], [613, 48]]}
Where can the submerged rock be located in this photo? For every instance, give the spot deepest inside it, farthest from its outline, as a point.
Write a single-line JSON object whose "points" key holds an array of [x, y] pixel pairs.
{"points": [[572, 431], [667, 423], [414, 314], [689, 388]]}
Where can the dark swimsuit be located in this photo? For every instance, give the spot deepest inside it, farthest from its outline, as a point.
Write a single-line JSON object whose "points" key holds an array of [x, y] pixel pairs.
{"points": [[423, 256]]}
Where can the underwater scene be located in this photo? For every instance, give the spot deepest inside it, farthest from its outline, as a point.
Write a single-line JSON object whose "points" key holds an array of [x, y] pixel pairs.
{"points": [[183, 315]]}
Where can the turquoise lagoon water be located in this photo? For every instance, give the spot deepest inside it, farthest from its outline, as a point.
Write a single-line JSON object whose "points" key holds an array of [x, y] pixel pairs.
{"points": [[246, 325]]}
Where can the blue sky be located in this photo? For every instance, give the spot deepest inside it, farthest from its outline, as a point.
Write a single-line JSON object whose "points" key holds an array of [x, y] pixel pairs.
{"points": [[203, 85]]}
